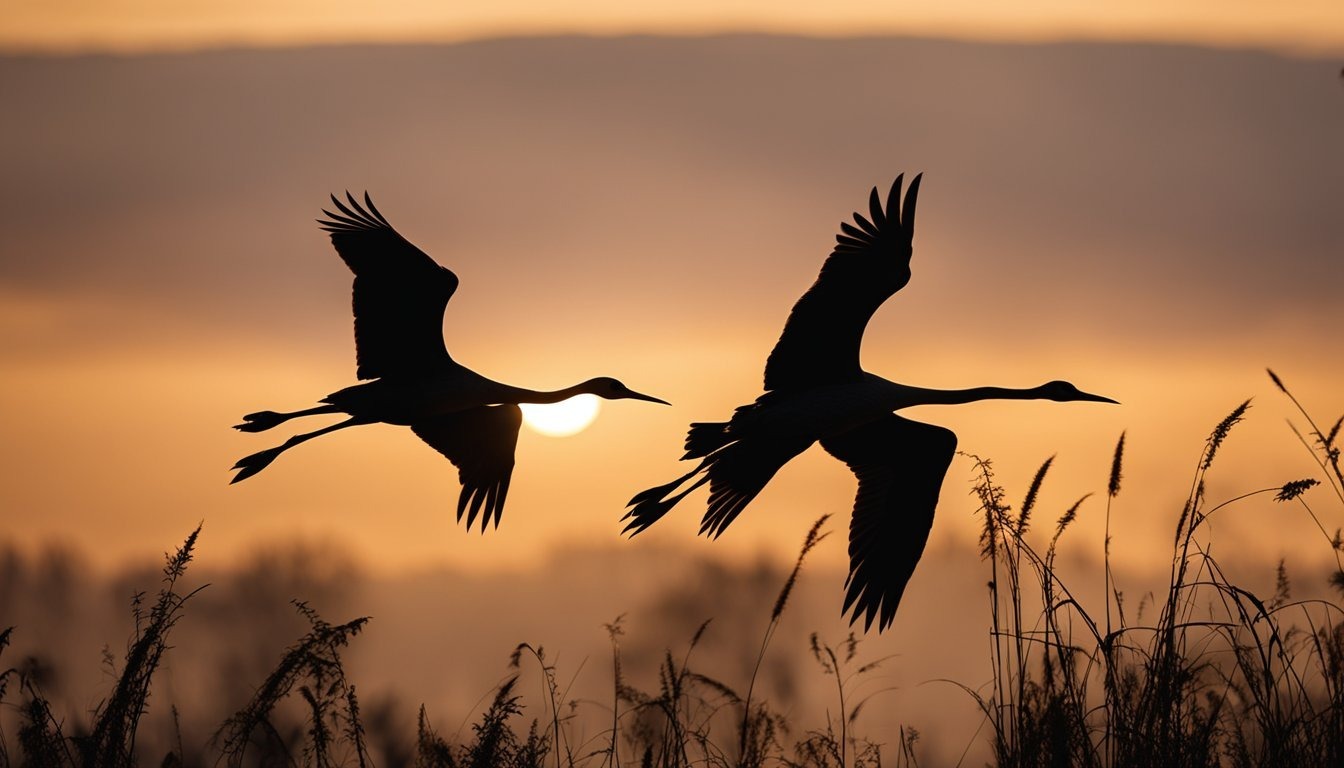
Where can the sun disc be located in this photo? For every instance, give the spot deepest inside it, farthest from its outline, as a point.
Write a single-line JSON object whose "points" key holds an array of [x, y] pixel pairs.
{"points": [[561, 419]]}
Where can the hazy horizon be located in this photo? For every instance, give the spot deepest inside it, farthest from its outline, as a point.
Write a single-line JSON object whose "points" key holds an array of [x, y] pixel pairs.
{"points": [[1302, 26]]}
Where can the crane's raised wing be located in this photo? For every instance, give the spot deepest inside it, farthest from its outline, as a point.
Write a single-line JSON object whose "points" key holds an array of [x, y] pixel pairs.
{"points": [[480, 442], [399, 294], [900, 465], [871, 261]]}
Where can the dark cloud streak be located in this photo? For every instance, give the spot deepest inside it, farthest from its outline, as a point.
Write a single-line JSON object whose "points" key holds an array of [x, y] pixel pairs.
{"points": [[671, 172]]}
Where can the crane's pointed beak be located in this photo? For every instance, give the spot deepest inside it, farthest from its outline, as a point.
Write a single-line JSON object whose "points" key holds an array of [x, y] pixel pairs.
{"points": [[633, 395], [1096, 398]]}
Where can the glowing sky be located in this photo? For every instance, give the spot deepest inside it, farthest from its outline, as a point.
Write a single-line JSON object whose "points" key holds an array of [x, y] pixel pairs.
{"points": [[149, 24], [1154, 224]]}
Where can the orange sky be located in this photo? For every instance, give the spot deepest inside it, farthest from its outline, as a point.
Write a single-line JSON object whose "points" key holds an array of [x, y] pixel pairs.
{"points": [[1155, 225], [1298, 25]]}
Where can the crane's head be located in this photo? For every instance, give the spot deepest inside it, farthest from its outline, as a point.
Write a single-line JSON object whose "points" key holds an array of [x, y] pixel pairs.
{"points": [[1064, 392], [611, 389]]}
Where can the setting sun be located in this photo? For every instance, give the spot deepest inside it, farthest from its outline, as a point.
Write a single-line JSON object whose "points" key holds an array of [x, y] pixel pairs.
{"points": [[561, 419]]}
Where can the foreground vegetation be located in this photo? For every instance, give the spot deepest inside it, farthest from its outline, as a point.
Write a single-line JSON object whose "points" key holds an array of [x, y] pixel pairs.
{"points": [[1220, 676]]}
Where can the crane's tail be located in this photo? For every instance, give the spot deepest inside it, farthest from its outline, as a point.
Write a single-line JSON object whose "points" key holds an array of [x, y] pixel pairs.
{"points": [[261, 421], [735, 472], [251, 465], [706, 437]]}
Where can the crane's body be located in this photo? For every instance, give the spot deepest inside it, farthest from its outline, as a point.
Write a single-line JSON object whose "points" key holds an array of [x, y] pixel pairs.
{"points": [[834, 409], [400, 294], [816, 391], [818, 412], [404, 402]]}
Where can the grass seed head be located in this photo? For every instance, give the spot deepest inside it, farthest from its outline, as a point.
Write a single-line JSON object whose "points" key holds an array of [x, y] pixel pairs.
{"points": [[1113, 486], [814, 537], [1030, 501], [1277, 381], [1296, 488], [1067, 518], [1220, 432]]}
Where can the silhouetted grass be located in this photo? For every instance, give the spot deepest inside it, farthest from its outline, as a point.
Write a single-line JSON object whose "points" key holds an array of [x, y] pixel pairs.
{"points": [[110, 742], [306, 712], [1219, 677], [1222, 677], [313, 665]]}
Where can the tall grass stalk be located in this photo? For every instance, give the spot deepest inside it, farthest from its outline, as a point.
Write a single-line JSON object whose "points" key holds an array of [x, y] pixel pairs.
{"points": [[1325, 449], [826, 747], [749, 741]]}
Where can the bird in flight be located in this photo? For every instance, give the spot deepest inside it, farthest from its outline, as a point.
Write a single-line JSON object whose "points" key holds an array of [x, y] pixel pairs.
{"points": [[399, 298], [816, 391]]}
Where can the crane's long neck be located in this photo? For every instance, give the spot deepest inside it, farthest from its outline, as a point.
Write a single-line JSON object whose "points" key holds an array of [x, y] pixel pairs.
{"points": [[923, 396], [544, 396]]}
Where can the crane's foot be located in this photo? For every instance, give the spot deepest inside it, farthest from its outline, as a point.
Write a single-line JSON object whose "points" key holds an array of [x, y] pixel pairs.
{"points": [[260, 421], [648, 507], [251, 465], [647, 512]]}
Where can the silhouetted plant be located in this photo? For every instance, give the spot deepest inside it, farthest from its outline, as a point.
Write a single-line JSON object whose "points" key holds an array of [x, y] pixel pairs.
{"points": [[431, 750], [836, 746], [672, 727], [614, 633], [1324, 447], [675, 727], [1165, 699], [40, 737], [496, 745], [5, 677], [314, 666], [112, 742], [758, 728], [554, 696]]}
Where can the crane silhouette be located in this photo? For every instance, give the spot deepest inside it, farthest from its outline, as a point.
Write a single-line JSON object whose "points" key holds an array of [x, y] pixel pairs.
{"points": [[817, 391], [400, 294]]}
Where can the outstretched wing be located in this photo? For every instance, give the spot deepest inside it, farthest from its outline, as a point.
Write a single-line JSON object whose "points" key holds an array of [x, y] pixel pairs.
{"points": [[399, 293], [900, 465], [871, 261], [480, 442]]}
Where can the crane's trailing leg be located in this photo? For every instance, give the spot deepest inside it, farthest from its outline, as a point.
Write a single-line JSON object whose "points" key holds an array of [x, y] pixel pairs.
{"points": [[264, 420], [650, 506], [251, 465]]}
